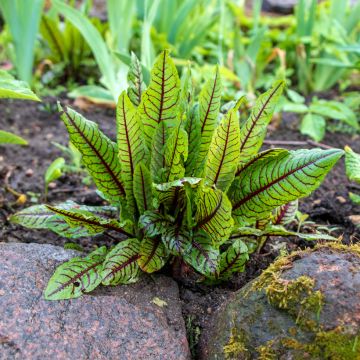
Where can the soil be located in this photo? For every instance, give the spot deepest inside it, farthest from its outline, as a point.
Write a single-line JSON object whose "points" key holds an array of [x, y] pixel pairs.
{"points": [[22, 170]]}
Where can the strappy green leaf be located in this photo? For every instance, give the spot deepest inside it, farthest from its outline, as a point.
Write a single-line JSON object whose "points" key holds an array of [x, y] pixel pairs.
{"points": [[233, 259], [135, 81], [153, 255], [99, 154], [77, 276], [213, 214], [161, 99], [83, 218], [274, 181], [209, 106], [130, 144], [176, 152], [224, 154], [120, 265], [143, 188], [253, 132], [177, 240]]}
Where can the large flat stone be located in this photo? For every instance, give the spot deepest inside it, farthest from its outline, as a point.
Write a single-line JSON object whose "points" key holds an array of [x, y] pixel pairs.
{"points": [[112, 323]]}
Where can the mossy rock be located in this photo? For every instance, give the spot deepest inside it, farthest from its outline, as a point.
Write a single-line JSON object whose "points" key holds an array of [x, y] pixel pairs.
{"points": [[304, 306]]}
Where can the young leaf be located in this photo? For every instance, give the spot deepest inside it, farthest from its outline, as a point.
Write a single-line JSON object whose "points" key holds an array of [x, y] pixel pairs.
{"points": [[177, 240], [54, 171], [130, 144], [209, 106], [158, 161], [224, 154], [314, 126], [284, 214], [233, 259], [120, 265], [77, 276], [143, 188], [83, 218], [170, 193], [153, 255], [354, 198], [274, 181], [135, 81], [193, 129], [213, 214], [99, 154], [161, 99], [352, 164], [176, 152], [253, 132], [202, 255], [153, 223], [10, 138]]}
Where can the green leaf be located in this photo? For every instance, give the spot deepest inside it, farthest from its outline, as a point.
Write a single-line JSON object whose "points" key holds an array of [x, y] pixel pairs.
{"points": [[161, 99], [40, 217], [193, 129], [277, 230], [253, 132], [354, 198], [153, 255], [209, 106], [54, 171], [77, 276], [9, 138], [99, 154], [153, 223], [224, 154], [314, 126], [233, 259], [93, 223], [176, 152], [120, 265], [202, 255], [130, 145], [169, 193], [14, 89], [158, 161], [177, 240], [276, 180], [213, 214], [286, 213], [143, 188], [352, 164], [135, 81]]}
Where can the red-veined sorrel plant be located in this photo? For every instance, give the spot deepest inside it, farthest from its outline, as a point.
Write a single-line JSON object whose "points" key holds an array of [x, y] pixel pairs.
{"points": [[181, 181]]}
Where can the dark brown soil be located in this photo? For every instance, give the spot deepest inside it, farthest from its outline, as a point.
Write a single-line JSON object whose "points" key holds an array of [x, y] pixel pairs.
{"points": [[22, 169]]}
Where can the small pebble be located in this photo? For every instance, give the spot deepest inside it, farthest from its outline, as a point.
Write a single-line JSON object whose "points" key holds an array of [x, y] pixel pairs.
{"points": [[317, 202], [52, 185], [29, 172], [49, 136], [341, 199], [355, 219]]}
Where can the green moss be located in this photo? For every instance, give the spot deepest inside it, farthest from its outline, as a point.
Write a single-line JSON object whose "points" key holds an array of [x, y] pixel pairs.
{"points": [[334, 345], [355, 248], [236, 348], [266, 352]]}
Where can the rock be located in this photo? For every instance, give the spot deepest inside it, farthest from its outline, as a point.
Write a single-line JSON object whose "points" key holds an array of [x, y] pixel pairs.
{"points": [[111, 323], [304, 306]]}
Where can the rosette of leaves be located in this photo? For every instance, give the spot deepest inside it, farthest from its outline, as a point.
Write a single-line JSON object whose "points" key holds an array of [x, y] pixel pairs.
{"points": [[182, 180]]}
